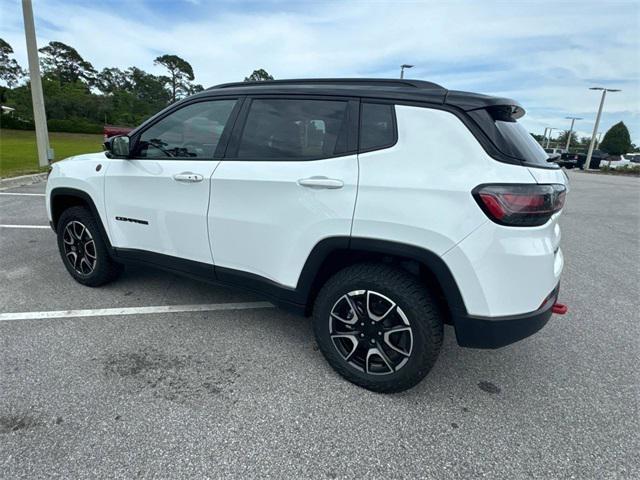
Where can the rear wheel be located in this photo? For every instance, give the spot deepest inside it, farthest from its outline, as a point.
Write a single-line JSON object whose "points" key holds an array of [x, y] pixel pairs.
{"points": [[83, 250], [378, 327]]}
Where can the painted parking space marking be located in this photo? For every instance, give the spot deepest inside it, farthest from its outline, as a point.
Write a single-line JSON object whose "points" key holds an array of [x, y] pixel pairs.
{"points": [[23, 194], [26, 226], [105, 312]]}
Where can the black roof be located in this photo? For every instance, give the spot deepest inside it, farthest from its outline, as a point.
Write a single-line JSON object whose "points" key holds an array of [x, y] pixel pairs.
{"points": [[386, 88]]}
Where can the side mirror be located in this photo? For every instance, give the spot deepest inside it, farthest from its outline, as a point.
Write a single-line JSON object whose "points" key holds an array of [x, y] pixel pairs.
{"points": [[118, 147]]}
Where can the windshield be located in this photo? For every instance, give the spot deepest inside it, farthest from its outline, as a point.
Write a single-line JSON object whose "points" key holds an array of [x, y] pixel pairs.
{"points": [[521, 143]]}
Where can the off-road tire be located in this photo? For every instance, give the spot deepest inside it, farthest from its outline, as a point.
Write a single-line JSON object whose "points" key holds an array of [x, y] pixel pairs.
{"points": [[105, 269], [415, 301]]}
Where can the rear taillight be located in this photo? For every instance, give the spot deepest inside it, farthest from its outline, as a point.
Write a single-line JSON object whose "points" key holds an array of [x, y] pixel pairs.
{"points": [[518, 205]]}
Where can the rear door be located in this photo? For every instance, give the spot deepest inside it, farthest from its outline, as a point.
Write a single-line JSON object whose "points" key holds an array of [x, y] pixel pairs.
{"points": [[288, 181], [157, 201]]}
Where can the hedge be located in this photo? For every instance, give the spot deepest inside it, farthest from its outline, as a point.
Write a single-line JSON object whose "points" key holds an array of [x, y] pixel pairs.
{"points": [[71, 125]]}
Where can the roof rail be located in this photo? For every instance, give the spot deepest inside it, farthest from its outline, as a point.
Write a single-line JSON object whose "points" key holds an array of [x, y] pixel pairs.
{"points": [[379, 82]]}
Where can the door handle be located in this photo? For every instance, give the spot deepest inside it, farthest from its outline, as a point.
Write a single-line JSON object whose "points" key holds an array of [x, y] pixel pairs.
{"points": [[321, 182], [188, 177]]}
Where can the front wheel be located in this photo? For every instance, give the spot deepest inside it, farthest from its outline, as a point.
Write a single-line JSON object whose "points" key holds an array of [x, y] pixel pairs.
{"points": [[83, 250], [378, 327]]}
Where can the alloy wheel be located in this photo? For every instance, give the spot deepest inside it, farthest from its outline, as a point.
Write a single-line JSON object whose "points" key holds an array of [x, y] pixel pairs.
{"points": [[79, 248], [371, 332]]}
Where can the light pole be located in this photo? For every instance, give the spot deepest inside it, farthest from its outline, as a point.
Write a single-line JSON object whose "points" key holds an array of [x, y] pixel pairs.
{"points": [[598, 139], [573, 119], [402, 67], [597, 124], [37, 98], [544, 137], [551, 129]]}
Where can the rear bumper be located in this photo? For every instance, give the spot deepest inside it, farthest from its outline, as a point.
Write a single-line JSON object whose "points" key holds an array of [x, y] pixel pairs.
{"points": [[495, 332]]}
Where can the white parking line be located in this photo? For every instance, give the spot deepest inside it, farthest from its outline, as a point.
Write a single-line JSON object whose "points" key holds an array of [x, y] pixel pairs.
{"points": [[25, 226], [23, 194], [104, 312]]}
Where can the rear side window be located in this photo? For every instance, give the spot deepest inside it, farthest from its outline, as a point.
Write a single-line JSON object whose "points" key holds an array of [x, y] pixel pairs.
{"points": [[294, 129], [377, 126]]}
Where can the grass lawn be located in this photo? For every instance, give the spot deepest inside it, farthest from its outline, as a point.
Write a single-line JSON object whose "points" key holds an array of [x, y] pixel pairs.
{"points": [[18, 154]]}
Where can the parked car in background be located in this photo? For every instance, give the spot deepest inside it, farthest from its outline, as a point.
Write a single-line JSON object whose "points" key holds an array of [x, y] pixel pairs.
{"points": [[619, 162], [578, 159], [554, 152], [109, 131]]}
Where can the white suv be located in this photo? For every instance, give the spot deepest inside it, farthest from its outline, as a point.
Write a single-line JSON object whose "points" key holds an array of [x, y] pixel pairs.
{"points": [[383, 208]]}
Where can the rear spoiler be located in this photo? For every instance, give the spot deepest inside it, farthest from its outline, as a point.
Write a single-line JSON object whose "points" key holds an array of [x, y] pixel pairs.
{"points": [[500, 108]]}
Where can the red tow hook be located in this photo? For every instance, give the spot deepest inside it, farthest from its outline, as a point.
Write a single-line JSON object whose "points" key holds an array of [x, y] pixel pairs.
{"points": [[559, 308]]}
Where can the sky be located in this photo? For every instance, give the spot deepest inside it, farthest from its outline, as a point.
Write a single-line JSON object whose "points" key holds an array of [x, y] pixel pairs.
{"points": [[545, 55]]}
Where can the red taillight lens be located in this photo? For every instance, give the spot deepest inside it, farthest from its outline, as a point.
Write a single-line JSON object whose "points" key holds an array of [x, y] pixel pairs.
{"points": [[520, 205]]}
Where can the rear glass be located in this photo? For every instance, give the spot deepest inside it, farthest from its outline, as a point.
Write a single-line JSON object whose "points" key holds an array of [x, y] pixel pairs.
{"points": [[509, 136], [521, 143]]}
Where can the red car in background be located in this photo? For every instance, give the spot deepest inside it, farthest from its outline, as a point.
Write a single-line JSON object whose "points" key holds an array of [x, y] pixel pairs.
{"points": [[113, 130]]}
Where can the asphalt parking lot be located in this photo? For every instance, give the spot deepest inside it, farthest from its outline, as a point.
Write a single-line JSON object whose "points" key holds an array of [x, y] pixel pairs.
{"points": [[245, 393]]}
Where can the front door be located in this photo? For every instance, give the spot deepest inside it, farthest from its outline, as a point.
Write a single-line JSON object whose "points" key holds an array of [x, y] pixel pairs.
{"points": [[157, 201]]}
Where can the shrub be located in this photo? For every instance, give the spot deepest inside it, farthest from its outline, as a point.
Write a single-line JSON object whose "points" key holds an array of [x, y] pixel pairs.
{"points": [[623, 170], [74, 125], [15, 123], [71, 125]]}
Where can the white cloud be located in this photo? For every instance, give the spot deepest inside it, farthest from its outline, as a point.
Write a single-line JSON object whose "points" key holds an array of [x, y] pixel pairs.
{"points": [[545, 55]]}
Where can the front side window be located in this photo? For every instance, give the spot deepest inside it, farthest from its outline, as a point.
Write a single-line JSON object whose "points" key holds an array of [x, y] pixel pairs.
{"points": [[294, 129], [377, 128], [192, 132]]}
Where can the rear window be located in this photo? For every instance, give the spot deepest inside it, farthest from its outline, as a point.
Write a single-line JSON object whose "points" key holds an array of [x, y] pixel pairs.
{"points": [[521, 143], [509, 136]]}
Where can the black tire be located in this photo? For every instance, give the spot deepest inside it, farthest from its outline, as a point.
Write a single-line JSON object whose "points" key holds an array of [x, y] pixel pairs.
{"points": [[413, 302], [74, 243]]}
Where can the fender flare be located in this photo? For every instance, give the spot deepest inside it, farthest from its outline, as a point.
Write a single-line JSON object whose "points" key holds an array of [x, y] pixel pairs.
{"points": [[429, 259], [86, 198]]}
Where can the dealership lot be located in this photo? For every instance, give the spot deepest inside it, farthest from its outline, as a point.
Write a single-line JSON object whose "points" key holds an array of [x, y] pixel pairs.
{"points": [[244, 392]]}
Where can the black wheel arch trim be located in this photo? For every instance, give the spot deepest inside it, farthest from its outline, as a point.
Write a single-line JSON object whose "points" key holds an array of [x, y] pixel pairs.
{"points": [[86, 199], [431, 260]]}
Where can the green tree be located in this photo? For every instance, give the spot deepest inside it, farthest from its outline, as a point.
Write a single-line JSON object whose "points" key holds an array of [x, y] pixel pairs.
{"points": [[561, 141], [196, 88], [10, 70], [64, 63], [537, 138], [110, 80], [260, 75], [180, 75], [617, 140]]}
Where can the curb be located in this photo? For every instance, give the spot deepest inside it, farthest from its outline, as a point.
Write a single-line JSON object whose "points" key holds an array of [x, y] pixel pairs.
{"points": [[22, 180]]}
